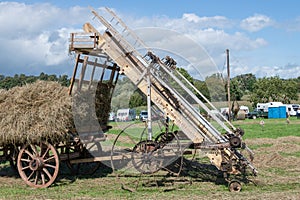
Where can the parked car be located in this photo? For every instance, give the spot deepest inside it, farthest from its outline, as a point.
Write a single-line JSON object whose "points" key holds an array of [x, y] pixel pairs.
{"points": [[143, 115], [256, 114]]}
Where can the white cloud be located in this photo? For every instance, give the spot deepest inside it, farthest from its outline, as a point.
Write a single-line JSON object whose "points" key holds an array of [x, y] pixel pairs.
{"points": [[281, 71], [256, 22], [191, 17], [286, 72], [212, 38], [204, 22], [34, 38]]}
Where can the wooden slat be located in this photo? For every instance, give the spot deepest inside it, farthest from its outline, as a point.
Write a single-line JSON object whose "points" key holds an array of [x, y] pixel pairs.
{"points": [[82, 46], [83, 39]]}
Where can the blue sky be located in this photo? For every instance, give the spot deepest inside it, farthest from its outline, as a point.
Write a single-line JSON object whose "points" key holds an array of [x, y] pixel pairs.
{"points": [[263, 36]]}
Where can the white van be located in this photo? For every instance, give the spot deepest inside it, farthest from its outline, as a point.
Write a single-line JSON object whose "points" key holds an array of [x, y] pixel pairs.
{"points": [[290, 110], [126, 114]]}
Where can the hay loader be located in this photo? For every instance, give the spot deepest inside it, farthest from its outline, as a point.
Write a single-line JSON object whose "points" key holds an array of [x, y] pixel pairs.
{"points": [[100, 59], [174, 96]]}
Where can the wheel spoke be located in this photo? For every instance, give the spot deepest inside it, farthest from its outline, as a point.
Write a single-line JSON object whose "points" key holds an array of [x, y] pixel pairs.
{"points": [[36, 177], [51, 166], [50, 158], [142, 166], [34, 149], [29, 177], [47, 173], [25, 160], [28, 153], [47, 150], [43, 178], [25, 168], [139, 163]]}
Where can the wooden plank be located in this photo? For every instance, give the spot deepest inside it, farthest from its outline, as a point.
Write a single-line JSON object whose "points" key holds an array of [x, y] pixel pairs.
{"points": [[85, 34], [83, 69], [82, 46], [74, 74]]}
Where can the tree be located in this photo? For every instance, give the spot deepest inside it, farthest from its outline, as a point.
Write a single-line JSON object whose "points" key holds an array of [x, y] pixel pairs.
{"points": [[245, 82], [7, 82], [186, 75], [137, 100], [236, 93], [63, 80], [216, 87], [290, 91], [274, 89], [122, 93], [202, 87]]}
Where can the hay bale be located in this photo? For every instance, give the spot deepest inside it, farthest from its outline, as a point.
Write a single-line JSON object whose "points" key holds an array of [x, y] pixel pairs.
{"points": [[35, 112], [42, 111], [241, 115]]}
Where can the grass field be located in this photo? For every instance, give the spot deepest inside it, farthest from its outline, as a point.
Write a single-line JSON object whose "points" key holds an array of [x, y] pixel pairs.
{"points": [[277, 156]]}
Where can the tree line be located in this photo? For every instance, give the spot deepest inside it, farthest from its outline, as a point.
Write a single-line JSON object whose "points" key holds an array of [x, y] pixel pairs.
{"points": [[7, 82], [261, 90], [257, 90]]}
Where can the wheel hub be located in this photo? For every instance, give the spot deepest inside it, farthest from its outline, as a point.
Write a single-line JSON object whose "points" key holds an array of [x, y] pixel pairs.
{"points": [[36, 164]]}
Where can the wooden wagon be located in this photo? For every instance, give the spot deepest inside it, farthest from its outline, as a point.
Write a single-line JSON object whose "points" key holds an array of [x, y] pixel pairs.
{"points": [[37, 154]]}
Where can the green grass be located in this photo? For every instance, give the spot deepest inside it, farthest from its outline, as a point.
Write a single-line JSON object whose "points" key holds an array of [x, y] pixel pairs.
{"points": [[272, 128], [106, 186]]}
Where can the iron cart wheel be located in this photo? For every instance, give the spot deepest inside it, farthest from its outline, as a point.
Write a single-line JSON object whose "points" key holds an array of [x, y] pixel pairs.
{"points": [[235, 186], [38, 164], [172, 150], [146, 158]]}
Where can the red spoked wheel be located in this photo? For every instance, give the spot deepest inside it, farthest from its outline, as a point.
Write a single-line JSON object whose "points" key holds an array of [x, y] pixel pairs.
{"points": [[38, 164]]}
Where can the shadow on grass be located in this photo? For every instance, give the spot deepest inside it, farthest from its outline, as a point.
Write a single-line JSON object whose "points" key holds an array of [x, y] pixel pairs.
{"points": [[68, 176], [192, 171], [65, 176]]}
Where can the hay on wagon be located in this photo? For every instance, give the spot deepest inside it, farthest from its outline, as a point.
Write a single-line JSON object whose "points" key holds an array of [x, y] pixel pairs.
{"points": [[42, 111]]}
